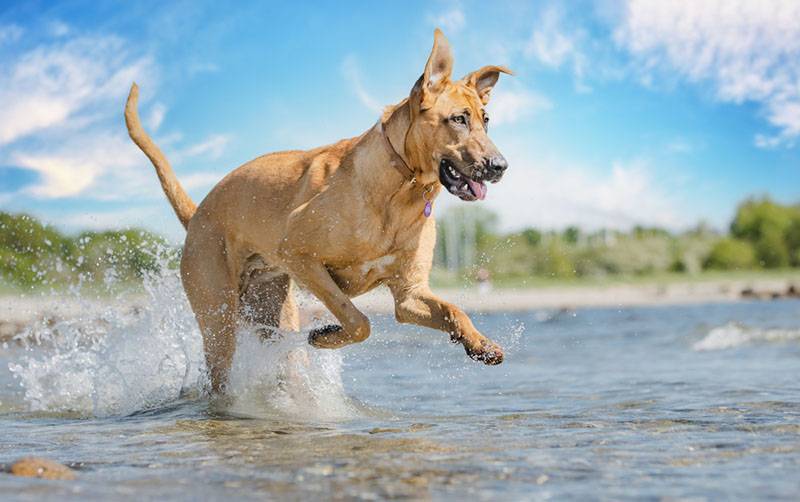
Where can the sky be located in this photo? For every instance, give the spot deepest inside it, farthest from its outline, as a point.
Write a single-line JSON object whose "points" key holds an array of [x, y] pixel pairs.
{"points": [[619, 113]]}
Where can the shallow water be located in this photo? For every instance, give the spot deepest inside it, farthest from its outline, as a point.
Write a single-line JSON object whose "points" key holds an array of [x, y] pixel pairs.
{"points": [[699, 402]]}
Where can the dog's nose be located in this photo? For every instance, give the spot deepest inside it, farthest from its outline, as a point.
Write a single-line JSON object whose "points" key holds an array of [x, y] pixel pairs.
{"points": [[497, 164]]}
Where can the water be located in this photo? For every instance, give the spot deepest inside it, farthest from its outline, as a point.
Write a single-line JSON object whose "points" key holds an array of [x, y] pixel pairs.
{"points": [[699, 402]]}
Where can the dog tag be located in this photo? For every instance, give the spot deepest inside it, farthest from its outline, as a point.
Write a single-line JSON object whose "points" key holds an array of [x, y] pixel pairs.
{"points": [[428, 208]]}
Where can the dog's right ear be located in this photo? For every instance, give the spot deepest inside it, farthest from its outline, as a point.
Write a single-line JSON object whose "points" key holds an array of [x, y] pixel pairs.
{"points": [[437, 72]]}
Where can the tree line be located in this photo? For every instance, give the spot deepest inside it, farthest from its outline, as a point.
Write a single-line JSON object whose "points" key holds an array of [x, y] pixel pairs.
{"points": [[763, 235], [34, 255]]}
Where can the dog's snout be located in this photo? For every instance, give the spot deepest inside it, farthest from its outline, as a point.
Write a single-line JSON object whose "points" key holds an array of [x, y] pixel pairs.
{"points": [[496, 164]]}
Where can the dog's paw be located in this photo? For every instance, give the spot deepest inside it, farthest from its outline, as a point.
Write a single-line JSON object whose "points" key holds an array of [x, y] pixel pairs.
{"points": [[326, 337], [487, 352]]}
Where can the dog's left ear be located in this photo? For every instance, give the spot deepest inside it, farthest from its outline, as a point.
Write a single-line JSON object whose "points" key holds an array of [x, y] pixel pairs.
{"points": [[437, 71], [484, 79]]}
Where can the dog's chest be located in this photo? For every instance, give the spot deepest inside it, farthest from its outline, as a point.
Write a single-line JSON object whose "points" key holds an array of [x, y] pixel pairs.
{"points": [[378, 266], [361, 277]]}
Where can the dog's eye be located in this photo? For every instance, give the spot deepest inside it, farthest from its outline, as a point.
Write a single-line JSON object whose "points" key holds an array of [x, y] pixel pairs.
{"points": [[459, 119], [486, 120]]}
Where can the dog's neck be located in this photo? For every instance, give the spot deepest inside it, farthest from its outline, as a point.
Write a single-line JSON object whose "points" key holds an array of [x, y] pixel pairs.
{"points": [[376, 171], [396, 127]]}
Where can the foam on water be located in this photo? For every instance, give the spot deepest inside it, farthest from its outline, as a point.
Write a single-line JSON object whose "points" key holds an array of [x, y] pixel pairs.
{"points": [[125, 360], [285, 376], [732, 335]]}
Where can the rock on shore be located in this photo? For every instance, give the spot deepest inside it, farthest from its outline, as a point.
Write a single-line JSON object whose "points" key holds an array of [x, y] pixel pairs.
{"points": [[36, 467]]}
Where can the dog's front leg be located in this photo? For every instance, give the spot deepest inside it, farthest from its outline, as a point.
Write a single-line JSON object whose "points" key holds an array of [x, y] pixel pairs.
{"points": [[315, 277], [418, 305]]}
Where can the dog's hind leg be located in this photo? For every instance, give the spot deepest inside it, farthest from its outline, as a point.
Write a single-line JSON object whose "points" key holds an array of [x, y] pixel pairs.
{"points": [[214, 296], [267, 298]]}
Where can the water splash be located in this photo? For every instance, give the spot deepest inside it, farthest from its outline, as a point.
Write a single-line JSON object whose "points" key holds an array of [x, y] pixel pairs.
{"points": [[286, 377], [733, 335], [122, 360], [118, 360]]}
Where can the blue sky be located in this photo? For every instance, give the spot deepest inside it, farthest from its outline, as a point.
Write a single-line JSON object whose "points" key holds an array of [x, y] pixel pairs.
{"points": [[620, 113]]}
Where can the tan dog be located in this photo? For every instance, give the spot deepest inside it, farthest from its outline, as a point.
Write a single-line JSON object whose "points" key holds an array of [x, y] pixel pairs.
{"points": [[340, 219]]}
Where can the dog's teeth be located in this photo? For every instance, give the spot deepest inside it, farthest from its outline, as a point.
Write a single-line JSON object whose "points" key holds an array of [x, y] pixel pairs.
{"points": [[464, 186]]}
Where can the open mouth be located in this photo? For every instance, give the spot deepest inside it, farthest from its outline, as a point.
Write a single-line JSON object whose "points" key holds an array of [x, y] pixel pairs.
{"points": [[459, 184]]}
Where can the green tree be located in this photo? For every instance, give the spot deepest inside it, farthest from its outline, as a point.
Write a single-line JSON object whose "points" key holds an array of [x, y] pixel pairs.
{"points": [[33, 254], [793, 241], [771, 248], [532, 236], [125, 254], [572, 234], [768, 226], [556, 261], [731, 254]]}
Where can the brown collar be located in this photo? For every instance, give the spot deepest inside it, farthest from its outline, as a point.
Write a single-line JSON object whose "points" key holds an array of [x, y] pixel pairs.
{"points": [[396, 160]]}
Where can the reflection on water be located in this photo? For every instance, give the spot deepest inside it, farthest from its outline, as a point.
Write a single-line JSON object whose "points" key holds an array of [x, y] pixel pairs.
{"points": [[685, 402]]}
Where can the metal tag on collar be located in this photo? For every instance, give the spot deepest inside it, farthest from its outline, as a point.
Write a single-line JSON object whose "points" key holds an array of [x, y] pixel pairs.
{"points": [[428, 203]]}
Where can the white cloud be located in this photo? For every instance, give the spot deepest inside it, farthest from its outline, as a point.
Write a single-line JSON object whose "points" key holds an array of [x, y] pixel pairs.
{"points": [[59, 99], [156, 117], [748, 50], [212, 147], [510, 105], [549, 193], [548, 43], [200, 181], [60, 177], [58, 28], [10, 33], [767, 142], [102, 166], [97, 166], [62, 120], [104, 220], [48, 85], [451, 21], [352, 73], [554, 44]]}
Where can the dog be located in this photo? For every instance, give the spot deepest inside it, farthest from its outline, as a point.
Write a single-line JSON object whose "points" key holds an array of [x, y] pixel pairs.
{"points": [[338, 220]]}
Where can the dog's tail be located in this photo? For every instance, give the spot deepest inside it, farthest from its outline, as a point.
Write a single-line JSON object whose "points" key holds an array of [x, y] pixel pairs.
{"points": [[181, 202]]}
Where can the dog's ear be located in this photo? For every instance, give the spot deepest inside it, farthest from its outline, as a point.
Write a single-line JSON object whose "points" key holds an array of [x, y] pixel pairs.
{"points": [[484, 79], [437, 71]]}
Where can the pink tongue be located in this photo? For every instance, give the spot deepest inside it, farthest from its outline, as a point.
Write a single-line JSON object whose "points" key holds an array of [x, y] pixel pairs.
{"points": [[478, 188]]}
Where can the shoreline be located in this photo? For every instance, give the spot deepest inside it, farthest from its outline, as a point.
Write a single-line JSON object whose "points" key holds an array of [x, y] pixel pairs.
{"points": [[621, 295], [20, 311]]}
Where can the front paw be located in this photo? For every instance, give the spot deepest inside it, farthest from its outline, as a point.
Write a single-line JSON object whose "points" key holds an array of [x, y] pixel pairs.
{"points": [[326, 337], [485, 351]]}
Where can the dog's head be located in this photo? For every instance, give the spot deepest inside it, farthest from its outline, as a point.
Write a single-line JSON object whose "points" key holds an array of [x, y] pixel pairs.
{"points": [[448, 135]]}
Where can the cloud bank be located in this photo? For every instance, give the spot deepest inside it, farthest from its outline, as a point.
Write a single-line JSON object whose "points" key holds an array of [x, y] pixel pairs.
{"points": [[749, 51]]}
